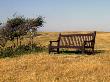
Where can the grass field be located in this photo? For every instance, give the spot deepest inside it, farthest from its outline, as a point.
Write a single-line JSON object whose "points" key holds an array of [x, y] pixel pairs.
{"points": [[64, 67]]}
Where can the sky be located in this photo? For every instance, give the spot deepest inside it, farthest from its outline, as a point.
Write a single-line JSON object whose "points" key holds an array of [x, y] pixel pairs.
{"points": [[61, 15]]}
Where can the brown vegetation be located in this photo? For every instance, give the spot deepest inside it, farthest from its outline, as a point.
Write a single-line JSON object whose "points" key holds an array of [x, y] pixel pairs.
{"points": [[64, 67]]}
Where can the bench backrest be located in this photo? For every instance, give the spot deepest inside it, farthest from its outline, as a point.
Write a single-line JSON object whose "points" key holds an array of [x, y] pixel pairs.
{"points": [[76, 39]]}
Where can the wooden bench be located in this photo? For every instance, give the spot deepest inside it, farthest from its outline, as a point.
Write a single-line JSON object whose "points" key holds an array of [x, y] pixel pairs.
{"points": [[77, 41]]}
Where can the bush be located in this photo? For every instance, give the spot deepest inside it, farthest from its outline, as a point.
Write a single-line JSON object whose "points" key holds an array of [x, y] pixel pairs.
{"points": [[8, 52], [20, 50]]}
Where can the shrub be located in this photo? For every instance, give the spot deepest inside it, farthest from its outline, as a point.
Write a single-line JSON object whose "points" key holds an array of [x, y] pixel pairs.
{"points": [[20, 50], [8, 52]]}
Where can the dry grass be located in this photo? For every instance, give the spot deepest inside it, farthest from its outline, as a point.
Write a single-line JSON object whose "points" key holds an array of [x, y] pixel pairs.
{"points": [[42, 67]]}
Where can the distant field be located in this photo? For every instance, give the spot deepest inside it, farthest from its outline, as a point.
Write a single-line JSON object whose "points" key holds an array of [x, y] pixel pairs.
{"points": [[64, 67]]}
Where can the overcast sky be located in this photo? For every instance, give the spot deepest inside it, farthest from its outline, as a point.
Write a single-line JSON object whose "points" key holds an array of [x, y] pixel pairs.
{"points": [[62, 15]]}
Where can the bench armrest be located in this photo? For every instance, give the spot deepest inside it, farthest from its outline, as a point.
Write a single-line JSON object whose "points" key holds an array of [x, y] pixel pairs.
{"points": [[53, 42], [89, 42]]}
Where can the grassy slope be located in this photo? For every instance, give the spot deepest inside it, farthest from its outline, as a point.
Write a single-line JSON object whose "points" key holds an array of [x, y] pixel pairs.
{"points": [[42, 67]]}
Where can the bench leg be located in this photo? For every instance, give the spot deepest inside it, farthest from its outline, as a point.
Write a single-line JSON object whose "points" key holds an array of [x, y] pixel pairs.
{"points": [[93, 51], [49, 49], [83, 50], [58, 50]]}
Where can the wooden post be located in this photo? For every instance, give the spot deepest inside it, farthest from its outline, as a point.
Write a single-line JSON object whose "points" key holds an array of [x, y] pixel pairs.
{"points": [[58, 45]]}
